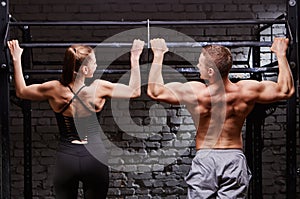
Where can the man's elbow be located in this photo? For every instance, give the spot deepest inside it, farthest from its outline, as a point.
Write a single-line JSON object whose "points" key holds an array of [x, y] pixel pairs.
{"points": [[291, 92], [152, 94], [288, 93]]}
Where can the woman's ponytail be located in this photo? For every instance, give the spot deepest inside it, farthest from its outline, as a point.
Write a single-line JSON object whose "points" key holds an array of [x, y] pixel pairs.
{"points": [[74, 57]]}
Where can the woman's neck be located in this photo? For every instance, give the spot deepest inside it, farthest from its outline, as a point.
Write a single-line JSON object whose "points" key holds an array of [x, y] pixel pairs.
{"points": [[77, 83]]}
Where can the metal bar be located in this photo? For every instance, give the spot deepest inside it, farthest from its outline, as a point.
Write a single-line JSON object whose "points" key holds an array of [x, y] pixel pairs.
{"points": [[76, 23], [148, 33], [169, 44], [291, 144], [223, 43], [26, 109], [67, 44], [6, 35], [249, 149], [298, 48], [257, 177], [272, 64], [183, 62], [4, 108], [290, 34], [125, 23], [257, 167], [217, 22], [181, 70], [269, 25], [291, 167]]}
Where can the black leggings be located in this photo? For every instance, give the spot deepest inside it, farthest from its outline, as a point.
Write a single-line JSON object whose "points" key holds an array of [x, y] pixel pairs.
{"points": [[75, 164]]}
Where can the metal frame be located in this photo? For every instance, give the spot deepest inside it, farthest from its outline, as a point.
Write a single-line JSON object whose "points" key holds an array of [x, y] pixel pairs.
{"points": [[4, 100], [169, 44], [291, 154], [250, 127], [298, 48], [26, 110], [147, 22], [254, 124]]}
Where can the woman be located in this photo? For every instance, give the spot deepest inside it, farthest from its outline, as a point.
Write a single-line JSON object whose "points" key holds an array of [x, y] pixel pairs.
{"points": [[71, 100]]}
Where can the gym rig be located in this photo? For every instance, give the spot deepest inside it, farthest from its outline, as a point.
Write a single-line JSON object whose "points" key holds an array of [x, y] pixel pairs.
{"points": [[253, 144]]}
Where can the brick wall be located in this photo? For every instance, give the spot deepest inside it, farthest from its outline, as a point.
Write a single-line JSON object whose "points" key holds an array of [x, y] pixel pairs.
{"points": [[153, 164]]}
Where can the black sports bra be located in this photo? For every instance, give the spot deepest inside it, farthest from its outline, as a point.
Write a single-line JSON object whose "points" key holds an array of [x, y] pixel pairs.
{"points": [[66, 124]]}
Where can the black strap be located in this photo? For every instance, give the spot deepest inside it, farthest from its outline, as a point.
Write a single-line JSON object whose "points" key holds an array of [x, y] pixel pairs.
{"points": [[83, 104], [74, 96]]}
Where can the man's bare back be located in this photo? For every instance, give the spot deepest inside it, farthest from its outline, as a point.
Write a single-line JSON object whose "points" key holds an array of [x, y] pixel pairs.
{"points": [[219, 107]]}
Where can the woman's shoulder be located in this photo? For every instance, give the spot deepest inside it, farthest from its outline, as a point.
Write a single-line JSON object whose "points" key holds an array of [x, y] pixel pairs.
{"points": [[52, 83], [99, 82]]}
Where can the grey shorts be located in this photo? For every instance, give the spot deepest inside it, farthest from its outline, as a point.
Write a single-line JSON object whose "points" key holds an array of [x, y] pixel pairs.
{"points": [[218, 173]]}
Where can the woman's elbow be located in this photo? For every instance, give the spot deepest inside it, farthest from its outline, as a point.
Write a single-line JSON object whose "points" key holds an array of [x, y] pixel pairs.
{"points": [[20, 94]]}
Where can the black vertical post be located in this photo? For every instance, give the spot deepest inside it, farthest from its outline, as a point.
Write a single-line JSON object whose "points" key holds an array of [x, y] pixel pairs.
{"points": [[26, 109], [257, 140], [298, 67], [254, 145], [27, 133], [257, 170], [4, 101], [249, 150], [291, 167]]}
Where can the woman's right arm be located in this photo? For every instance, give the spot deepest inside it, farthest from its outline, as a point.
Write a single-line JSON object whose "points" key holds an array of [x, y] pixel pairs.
{"points": [[133, 89], [31, 92]]}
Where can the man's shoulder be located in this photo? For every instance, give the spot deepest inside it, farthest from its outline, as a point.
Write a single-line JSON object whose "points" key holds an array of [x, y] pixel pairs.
{"points": [[247, 83], [196, 84]]}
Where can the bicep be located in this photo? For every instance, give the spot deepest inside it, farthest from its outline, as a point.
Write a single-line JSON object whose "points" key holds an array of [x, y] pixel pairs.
{"points": [[176, 93], [114, 90], [267, 92]]}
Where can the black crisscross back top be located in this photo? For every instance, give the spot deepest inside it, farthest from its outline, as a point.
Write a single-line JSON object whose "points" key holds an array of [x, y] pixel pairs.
{"points": [[66, 124]]}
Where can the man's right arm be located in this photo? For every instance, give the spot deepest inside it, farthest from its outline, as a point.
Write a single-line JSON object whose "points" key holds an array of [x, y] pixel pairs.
{"points": [[268, 91], [156, 88], [174, 92]]}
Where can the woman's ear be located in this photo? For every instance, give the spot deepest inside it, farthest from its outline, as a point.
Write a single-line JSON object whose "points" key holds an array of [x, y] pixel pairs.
{"points": [[84, 70]]}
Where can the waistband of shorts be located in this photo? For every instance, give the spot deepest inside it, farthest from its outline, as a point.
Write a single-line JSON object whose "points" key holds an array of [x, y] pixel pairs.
{"points": [[220, 150]]}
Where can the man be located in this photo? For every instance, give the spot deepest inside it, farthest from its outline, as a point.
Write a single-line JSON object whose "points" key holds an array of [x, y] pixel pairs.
{"points": [[219, 108]]}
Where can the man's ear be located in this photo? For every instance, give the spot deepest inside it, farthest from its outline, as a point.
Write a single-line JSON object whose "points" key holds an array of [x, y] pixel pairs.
{"points": [[210, 71]]}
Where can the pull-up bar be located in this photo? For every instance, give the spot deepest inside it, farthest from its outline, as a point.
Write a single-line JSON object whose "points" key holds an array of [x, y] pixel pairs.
{"points": [[147, 23], [137, 23], [189, 70], [169, 44]]}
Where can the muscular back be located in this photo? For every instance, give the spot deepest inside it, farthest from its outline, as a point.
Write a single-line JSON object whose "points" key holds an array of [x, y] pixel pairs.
{"points": [[219, 115]]}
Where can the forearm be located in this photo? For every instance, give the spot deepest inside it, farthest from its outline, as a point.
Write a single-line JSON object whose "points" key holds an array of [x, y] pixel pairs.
{"points": [[155, 76], [135, 76], [285, 77], [19, 78]]}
